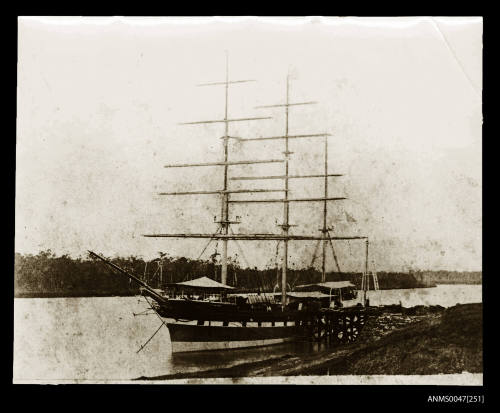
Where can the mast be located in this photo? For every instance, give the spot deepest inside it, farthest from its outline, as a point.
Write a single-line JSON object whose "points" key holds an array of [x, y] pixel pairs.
{"points": [[225, 196], [160, 264], [286, 209], [224, 221], [325, 211], [286, 200], [367, 278]]}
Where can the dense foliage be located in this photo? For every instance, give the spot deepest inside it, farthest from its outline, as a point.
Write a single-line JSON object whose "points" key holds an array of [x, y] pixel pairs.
{"points": [[46, 274]]}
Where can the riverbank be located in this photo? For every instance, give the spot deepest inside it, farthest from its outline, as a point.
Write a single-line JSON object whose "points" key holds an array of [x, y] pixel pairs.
{"points": [[73, 294], [46, 275], [395, 341], [396, 282]]}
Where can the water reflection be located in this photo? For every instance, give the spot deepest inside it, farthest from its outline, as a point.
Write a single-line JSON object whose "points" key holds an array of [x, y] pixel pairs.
{"points": [[194, 361]]}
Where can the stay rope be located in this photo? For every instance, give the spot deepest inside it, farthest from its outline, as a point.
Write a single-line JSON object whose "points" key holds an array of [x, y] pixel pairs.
{"points": [[205, 248], [158, 329], [248, 265], [333, 251]]}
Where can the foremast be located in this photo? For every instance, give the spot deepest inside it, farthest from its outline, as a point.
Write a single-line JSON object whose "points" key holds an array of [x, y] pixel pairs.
{"points": [[224, 221]]}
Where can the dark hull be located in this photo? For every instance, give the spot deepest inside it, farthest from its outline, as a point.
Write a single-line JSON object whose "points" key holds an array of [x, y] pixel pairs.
{"points": [[229, 312], [187, 338], [202, 325]]}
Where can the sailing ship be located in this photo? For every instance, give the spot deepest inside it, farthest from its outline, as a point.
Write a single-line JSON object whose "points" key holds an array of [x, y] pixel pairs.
{"points": [[204, 314]]}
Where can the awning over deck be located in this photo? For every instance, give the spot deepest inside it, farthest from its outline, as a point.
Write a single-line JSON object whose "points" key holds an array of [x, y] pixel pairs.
{"points": [[203, 283], [330, 285], [307, 294]]}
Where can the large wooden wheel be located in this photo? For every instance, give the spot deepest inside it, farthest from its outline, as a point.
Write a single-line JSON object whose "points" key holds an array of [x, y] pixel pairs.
{"points": [[349, 327], [319, 328]]}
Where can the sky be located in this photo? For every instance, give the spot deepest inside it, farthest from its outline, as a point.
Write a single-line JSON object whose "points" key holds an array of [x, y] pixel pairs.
{"points": [[100, 102]]}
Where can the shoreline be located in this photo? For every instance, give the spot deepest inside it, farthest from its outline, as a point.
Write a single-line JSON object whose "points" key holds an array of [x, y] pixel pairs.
{"points": [[131, 294], [76, 295], [417, 340]]}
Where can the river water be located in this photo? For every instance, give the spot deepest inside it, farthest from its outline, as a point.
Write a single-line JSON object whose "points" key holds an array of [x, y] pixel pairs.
{"points": [[97, 338]]}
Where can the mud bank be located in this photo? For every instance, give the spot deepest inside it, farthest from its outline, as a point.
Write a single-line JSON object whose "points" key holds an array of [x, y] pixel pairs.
{"points": [[394, 341], [447, 342]]}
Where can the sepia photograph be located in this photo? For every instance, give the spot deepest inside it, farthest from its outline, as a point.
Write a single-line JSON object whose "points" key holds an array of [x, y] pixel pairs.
{"points": [[251, 200]]}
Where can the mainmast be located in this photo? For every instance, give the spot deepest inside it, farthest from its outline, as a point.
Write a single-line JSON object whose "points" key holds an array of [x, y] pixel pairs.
{"points": [[286, 201]]}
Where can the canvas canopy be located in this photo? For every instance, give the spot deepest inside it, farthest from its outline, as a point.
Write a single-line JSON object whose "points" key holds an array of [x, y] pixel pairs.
{"points": [[330, 285], [307, 294], [203, 283]]}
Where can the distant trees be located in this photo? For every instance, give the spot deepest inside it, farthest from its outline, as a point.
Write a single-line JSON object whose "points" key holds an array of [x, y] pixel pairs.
{"points": [[449, 277], [45, 275]]}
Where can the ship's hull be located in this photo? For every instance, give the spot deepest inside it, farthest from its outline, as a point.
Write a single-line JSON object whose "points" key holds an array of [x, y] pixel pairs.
{"points": [[187, 338], [202, 325], [229, 312]]}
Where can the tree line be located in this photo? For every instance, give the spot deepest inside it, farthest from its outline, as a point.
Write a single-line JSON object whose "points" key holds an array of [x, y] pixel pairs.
{"points": [[48, 275]]}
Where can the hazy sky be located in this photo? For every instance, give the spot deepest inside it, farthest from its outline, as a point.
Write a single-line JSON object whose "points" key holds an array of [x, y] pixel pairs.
{"points": [[100, 102]]}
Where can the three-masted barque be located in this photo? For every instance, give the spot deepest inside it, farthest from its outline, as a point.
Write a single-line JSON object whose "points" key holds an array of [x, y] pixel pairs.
{"points": [[203, 314]]}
